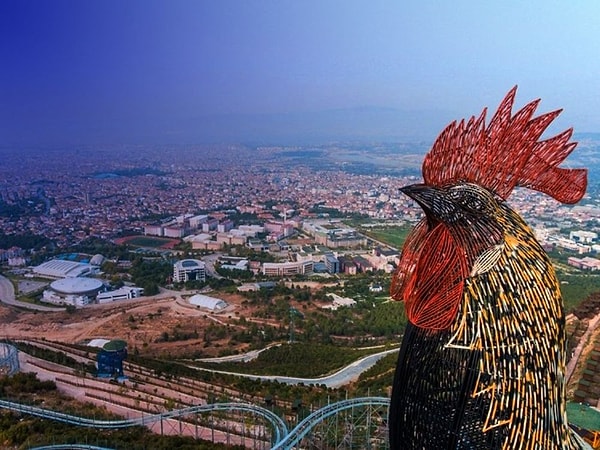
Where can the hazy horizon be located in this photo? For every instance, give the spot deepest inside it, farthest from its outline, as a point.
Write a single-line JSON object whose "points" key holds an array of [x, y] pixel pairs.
{"points": [[103, 71]]}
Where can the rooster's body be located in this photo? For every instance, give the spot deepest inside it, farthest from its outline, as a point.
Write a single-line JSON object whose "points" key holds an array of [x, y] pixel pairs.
{"points": [[482, 362]]}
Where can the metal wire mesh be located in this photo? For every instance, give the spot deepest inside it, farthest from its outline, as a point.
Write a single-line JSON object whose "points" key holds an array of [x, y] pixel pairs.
{"points": [[9, 359]]}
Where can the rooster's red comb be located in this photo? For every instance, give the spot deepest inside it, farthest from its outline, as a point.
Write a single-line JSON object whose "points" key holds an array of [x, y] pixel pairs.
{"points": [[506, 154]]}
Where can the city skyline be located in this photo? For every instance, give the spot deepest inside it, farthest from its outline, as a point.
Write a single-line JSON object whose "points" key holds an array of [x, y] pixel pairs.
{"points": [[284, 72]]}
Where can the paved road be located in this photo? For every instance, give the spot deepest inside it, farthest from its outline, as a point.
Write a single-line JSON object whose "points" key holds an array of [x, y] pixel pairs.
{"points": [[244, 357], [7, 296], [209, 261], [338, 379]]}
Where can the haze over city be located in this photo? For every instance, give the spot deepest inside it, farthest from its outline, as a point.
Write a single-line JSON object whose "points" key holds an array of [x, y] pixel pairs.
{"points": [[216, 222], [155, 72]]}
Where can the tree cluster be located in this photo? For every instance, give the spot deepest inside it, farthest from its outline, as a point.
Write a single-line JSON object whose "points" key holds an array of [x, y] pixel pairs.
{"points": [[25, 241], [149, 274], [24, 383]]}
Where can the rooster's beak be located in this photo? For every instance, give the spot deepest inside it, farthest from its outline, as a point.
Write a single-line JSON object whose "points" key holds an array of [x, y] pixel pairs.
{"points": [[432, 200], [421, 193]]}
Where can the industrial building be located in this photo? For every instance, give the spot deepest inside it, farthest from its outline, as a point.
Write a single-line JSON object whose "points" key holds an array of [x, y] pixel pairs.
{"points": [[188, 270]]}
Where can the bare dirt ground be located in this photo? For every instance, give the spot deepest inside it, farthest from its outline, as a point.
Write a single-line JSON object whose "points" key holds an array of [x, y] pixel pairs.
{"points": [[165, 324]]}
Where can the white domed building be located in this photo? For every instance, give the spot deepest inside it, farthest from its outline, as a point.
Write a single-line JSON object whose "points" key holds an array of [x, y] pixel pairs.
{"points": [[97, 260], [76, 291], [209, 303]]}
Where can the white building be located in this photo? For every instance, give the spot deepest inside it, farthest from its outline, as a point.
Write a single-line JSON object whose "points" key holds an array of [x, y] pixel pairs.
{"points": [[225, 226], [97, 260], [251, 230], [189, 269], [333, 234], [202, 237], [124, 293], [573, 246], [211, 224], [57, 268], [339, 302], [72, 291], [583, 237], [174, 232], [197, 221], [206, 302], [153, 230], [242, 264], [17, 261], [288, 268]]}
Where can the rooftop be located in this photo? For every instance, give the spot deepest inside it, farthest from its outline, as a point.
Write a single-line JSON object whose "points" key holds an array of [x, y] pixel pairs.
{"points": [[76, 285], [583, 416]]}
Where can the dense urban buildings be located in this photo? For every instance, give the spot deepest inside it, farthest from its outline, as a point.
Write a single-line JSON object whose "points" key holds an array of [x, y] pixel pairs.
{"points": [[218, 197]]}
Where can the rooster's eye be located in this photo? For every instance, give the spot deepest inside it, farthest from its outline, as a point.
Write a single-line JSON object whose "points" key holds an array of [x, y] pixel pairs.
{"points": [[467, 199], [472, 203]]}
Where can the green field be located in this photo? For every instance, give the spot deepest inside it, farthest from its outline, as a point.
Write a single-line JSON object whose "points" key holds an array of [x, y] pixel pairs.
{"points": [[393, 236]]}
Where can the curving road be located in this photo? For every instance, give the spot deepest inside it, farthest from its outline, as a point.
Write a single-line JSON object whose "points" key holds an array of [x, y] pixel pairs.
{"points": [[7, 296], [338, 379], [242, 357]]}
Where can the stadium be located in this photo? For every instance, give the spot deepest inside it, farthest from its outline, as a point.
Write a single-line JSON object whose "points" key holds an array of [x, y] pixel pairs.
{"points": [[72, 291], [57, 268]]}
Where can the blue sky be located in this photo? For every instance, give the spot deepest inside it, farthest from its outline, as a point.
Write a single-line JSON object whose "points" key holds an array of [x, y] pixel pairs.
{"points": [[102, 71]]}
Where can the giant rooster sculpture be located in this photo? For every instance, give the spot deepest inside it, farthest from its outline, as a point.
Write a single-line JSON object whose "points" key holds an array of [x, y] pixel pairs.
{"points": [[482, 361]]}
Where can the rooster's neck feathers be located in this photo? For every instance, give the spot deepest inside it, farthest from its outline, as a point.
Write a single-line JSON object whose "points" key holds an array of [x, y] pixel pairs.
{"points": [[505, 154]]}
